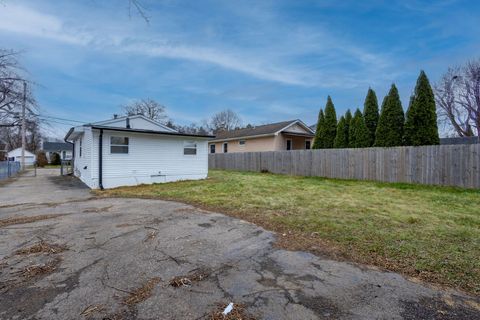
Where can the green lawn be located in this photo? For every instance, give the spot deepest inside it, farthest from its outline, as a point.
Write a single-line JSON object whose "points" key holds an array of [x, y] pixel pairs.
{"points": [[432, 233]]}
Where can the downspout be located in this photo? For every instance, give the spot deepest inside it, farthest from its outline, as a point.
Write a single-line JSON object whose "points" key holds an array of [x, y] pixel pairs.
{"points": [[100, 159]]}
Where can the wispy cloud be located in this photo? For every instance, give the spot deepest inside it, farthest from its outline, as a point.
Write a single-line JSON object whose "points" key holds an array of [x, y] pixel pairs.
{"points": [[271, 61]]}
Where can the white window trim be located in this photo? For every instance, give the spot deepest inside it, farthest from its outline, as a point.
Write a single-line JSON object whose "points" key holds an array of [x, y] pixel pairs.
{"points": [[119, 145], [80, 147], [214, 148]]}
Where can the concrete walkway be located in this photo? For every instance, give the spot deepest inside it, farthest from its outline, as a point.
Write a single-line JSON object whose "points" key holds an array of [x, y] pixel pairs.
{"points": [[122, 254]]}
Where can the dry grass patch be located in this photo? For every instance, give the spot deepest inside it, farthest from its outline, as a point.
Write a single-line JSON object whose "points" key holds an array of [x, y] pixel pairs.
{"points": [[37, 270], [24, 220], [92, 309], [142, 293], [187, 280], [42, 247]]}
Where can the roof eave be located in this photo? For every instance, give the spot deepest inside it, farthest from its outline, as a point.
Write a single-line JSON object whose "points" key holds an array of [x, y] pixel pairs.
{"points": [[166, 133], [245, 137]]}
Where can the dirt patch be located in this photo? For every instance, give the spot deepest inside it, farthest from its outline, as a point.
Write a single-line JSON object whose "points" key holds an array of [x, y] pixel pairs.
{"points": [[24, 220], [427, 308], [238, 312], [42, 247], [188, 280], [142, 293]]}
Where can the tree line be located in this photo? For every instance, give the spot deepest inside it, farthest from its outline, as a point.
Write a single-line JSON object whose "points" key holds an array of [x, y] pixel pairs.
{"points": [[387, 127]]}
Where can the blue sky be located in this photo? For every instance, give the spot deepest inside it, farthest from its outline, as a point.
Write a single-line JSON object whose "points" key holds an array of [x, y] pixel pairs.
{"points": [[266, 60]]}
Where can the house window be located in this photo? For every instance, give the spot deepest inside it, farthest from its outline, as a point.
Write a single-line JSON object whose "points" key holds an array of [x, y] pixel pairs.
{"points": [[225, 147], [190, 148], [80, 148], [289, 144], [307, 145], [241, 142], [119, 144], [212, 148]]}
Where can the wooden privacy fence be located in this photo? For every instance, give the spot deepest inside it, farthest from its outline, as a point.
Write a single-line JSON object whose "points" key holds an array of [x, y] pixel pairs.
{"points": [[447, 165]]}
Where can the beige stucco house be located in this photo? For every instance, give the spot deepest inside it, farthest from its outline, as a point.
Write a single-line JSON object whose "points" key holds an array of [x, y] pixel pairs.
{"points": [[286, 135]]}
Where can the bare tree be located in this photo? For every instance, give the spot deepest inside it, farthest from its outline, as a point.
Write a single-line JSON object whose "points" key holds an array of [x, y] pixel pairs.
{"points": [[225, 120], [148, 108], [138, 6], [11, 99], [458, 99]]}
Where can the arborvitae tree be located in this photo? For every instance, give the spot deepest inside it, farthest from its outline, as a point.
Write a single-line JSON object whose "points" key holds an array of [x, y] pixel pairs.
{"points": [[390, 124], [330, 125], [370, 114], [359, 136], [348, 121], [318, 142], [421, 118], [341, 139]]}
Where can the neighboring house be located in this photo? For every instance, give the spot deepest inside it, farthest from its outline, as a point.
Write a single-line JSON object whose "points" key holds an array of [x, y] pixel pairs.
{"points": [[64, 150], [3, 150], [136, 150], [16, 155], [460, 140], [286, 135]]}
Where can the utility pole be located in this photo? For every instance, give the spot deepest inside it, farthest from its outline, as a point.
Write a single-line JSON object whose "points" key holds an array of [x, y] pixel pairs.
{"points": [[24, 127]]}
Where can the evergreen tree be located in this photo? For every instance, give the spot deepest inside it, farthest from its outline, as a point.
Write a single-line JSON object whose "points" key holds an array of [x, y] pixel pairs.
{"points": [[318, 142], [370, 114], [341, 139], [359, 135], [348, 121], [421, 118], [330, 124], [390, 124]]}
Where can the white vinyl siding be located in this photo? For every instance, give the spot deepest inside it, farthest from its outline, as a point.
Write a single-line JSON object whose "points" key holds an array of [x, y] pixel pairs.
{"points": [[152, 158]]}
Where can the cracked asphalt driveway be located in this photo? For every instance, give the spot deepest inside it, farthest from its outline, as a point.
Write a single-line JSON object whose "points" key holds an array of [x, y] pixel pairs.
{"points": [[66, 255]]}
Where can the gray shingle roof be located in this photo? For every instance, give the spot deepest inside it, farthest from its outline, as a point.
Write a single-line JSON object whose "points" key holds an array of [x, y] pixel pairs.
{"points": [[57, 146], [460, 140], [265, 129]]}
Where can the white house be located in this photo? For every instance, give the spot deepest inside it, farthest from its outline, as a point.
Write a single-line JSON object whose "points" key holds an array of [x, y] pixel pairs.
{"points": [[136, 150], [16, 155], [63, 149]]}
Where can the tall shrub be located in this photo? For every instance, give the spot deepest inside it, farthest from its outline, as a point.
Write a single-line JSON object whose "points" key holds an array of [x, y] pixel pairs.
{"points": [[390, 124], [421, 118], [371, 115], [359, 136], [341, 139], [318, 142], [348, 121], [41, 159], [330, 125]]}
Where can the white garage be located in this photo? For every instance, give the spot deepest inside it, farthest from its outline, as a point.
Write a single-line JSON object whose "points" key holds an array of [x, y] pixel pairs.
{"points": [[16, 155]]}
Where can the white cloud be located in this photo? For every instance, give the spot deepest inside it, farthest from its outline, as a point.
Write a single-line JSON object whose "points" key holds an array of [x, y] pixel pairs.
{"points": [[271, 60], [26, 21]]}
